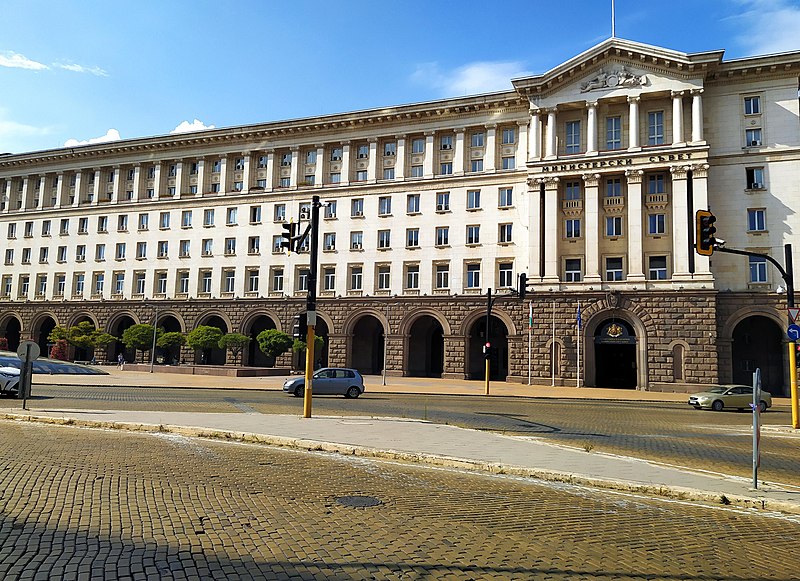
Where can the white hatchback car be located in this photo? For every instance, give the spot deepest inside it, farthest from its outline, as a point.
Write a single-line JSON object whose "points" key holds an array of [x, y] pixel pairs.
{"points": [[9, 381]]}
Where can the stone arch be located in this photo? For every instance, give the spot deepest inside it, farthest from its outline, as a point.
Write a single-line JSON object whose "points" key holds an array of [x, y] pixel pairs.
{"points": [[678, 350], [474, 358], [477, 314], [251, 317], [366, 332], [213, 355], [561, 349], [116, 325], [591, 325], [83, 316], [750, 311], [210, 313], [11, 329], [408, 321], [41, 326], [355, 316], [252, 325]]}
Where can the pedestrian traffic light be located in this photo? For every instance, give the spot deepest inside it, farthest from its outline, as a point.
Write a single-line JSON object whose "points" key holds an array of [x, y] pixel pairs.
{"points": [[297, 329], [289, 235], [487, 350], [704, 233], [523, 285]]}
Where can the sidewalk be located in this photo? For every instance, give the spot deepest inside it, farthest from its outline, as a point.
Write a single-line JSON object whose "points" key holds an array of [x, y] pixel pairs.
{"points": [[424, 442]]}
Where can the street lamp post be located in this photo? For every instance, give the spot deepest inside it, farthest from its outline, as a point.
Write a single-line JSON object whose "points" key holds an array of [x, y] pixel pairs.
{"points": [[153, 349]]}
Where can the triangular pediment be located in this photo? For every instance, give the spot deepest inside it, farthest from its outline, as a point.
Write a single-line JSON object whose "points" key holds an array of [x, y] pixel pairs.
{"points": [[618, 66]]}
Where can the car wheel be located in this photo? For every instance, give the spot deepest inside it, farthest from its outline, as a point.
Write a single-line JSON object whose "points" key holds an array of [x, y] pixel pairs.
{"points": [[352, 392], [762, 406], [298, 391], [717, 406]]}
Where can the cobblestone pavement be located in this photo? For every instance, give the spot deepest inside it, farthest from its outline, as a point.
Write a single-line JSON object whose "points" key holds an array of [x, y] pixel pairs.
{"points": [[665, 432], [78, 504]]}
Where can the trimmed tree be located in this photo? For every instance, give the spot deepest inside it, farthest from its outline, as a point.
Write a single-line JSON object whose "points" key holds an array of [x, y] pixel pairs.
{"points": [[204, 337], [139, 337], [273, 343], [299, 347], [235, 343], [171, 340], [59, 350]]}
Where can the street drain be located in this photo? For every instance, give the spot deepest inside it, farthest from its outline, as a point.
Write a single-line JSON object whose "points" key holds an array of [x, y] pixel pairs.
{"points": [[358, 501]]}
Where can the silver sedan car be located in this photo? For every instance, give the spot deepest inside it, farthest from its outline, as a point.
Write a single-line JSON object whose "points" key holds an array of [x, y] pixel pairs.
{"points": [[328, 381]]}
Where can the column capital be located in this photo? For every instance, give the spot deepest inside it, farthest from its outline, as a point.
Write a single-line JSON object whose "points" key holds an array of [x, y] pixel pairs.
{"points": [[400, 136], [459, 129], [699, 170], [550, 182], [372, 140], [490, 125], [634, 176], [345, 142], [535, 109], [696, 91], [294, 148], [679, 171], [522, 123], [429, 133], [591, 104], [591, 179], [634, 99], [549, 110], [676, 94]]}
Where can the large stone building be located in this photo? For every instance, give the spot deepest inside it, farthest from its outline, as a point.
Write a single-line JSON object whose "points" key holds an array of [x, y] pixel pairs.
{"points": [[586, 178]]}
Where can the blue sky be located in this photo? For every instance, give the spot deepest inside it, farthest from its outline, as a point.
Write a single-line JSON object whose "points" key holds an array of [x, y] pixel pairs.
{"points": [[74, 71]]}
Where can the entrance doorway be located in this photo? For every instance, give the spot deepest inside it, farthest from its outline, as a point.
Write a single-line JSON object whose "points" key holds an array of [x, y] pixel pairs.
{"points": [[368, 346], [498, 354], [615, 355], [758, 343], [426, 348]]}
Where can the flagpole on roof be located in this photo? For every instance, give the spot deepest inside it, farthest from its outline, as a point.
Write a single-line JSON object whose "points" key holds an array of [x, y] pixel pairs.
{"points": [[613, 23]]}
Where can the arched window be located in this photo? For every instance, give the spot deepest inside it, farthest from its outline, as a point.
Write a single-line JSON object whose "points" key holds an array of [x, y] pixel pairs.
{"points": [[677, 362], [555, 359]]}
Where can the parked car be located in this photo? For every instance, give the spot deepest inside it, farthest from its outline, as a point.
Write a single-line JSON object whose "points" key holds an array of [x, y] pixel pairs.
{"points": [[328, 381], [9, 381], [729, 396]]}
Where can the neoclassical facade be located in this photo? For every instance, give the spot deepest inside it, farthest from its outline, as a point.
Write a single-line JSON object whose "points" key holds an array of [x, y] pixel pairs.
{"points": [[586, 178]]}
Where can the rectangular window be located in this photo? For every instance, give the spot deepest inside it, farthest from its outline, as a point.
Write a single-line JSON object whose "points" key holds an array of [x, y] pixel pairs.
{"points": [[442, 236], [311, 156], [509, 163], [41, 285], [335, 178], [443, 201], [446, 168], [388, 173], [389, 148], [614, 269], [656, 224], [613, 226], [163, 249], [572, 191], [208, 217], [161, 283], [613, 132], [357, 207], [476, 165], [412, 204], [64, 228], [255, 214], [758, 269], [100, 252], [309, 179], [141, 250], [384, 205], [277, 280], [756, 220], [302, 279], [230, 246], [505, 198], [504, 234], [61, 285], [99, 282], [252, 280], [286, 159], [655, 184], [572, 228], [183, 248], [655, 128], [362, 151], [183, 282], [28, 229], [12, 230], [473, 199], [755, 178], [119, 283], [205, 282], [140, 279], [356, 278], [416, 171], [752, 137], [228, 281], [163, 220], [473, 276], [613, 187], [752, 105], [207, 247], [122, 223], [46, 228], [186, 219], [356, 240], [62, 254], [506, 272], [284, 182], [417, 145], [473, 234], [476, 140], [279, 213], [509, 136], [144, 222], [384, 278], [657, 268], [442, 276], [329, 241], [572, 270], [329, 279], [384, 238], [80, 280], [83, 225], [119, 253], [446, 142], [44, 252], [573, 141], [412, 277], [361, 175], [231, 216], [26, 255], [336, 153], [412, 237]]}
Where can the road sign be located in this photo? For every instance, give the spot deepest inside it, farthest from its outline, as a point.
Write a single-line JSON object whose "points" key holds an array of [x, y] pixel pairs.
{"points": [[793, 332], [28, 350], [793, 314]]}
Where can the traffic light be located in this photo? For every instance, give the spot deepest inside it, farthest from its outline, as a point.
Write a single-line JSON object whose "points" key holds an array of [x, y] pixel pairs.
{"points": [[297, 329], [487, 350], [289, 235], [704, 235], [523, 285]]}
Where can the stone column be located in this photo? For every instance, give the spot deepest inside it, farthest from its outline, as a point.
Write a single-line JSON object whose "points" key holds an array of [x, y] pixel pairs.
{"points": [[42, 186], [591, 214], [137, 182], [680, 226], [7, 198], [454, 359], [179, 178], [490, 155], [115, 185], [157, 179], [677, 119], [550, 141], [60, 190], [25, 196], [400, 161], [702, 267], [551, 222], [372, 162], [534, 231], [319, 176], [633, 124], [245, 172], [201, 176], [427, 170], [635, 264], [697, 115], [97, 185], [270, 170], [223, 175], [76, 199], [345, 163], [535, 149], [522, 145], [591, 128], [294, 173], [458, 153]]}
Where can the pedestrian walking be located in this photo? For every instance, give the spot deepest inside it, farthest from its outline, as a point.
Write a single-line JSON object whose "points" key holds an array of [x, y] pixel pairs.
{"points": [[120, 361]]}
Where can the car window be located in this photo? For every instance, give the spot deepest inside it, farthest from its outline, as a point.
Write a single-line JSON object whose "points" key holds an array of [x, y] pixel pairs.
{"points": [[717, 390], [349, 373]]}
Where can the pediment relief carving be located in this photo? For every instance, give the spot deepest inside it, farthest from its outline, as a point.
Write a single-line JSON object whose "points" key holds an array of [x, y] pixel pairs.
{"points": [[613, 78]]}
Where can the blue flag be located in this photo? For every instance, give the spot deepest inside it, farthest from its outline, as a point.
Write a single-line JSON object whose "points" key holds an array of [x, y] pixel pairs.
{"points": [[578, 317]]}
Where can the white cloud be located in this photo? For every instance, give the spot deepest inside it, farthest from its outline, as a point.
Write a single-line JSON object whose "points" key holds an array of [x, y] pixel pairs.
{"points": [[14, 60], [777, 23], [186, 127], [111, 135], [470, 79], [97, 71]]}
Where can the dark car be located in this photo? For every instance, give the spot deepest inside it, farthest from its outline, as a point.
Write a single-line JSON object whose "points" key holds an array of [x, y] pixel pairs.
{"points": [[328, 381]]}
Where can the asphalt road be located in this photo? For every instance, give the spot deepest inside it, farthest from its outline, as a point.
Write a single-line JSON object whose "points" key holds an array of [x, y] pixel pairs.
{"points": [[80, 504], [665, 432]]}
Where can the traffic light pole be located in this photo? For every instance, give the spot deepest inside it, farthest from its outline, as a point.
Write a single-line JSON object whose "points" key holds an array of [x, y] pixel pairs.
{"points": [[311, 306], [788, 277]]}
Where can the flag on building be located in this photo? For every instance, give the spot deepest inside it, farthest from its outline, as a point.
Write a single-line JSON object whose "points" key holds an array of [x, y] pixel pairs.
{"points": [[578, 317], [530, 315]]}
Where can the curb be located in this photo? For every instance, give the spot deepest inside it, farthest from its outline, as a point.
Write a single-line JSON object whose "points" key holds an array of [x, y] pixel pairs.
{"points": [[670, 492]]}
